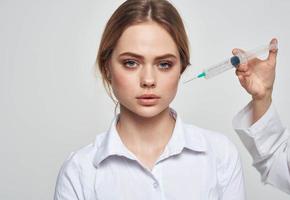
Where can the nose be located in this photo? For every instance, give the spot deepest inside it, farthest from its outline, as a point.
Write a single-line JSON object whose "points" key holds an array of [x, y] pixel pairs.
{"points": [[148, 78]]}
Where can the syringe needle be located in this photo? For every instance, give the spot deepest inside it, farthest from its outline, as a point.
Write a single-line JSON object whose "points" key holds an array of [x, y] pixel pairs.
{"points": [[190, 80], [203, 74]]}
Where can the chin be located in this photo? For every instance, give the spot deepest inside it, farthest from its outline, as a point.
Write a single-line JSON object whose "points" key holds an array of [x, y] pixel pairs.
{"points": [[148, 111]]}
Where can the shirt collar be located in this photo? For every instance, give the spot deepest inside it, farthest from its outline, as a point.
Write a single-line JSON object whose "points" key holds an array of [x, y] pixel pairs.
{"points": [[183, 136]]}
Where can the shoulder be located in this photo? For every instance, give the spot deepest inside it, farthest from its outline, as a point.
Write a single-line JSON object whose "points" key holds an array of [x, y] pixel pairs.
{"points": [[82, 158], [77, 171], [216, 144], [221, 152]]}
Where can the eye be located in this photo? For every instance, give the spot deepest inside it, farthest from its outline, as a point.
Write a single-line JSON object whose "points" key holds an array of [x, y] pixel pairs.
{"points": [[130, 63], [165, 65]]}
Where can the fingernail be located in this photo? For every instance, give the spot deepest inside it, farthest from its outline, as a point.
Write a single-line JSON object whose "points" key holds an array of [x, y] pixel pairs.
{"points": [[274, 45]]}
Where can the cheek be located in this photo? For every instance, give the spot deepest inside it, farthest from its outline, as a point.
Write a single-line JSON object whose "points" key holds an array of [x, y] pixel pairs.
{"points": [[170, 85], [122, 83]]}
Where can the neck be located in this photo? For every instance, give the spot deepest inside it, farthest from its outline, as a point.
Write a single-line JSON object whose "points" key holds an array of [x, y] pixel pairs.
{"points": [[148, 134]]}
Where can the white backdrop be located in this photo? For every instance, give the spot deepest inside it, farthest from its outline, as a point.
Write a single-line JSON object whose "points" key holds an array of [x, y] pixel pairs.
{"points": [[51, 103]]}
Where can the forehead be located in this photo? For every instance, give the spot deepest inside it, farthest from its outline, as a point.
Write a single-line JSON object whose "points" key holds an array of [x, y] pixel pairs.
{"points": [[148, 39]]}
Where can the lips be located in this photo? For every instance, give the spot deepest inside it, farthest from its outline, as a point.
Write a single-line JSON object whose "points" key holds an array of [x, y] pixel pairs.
{"points": [[148, 96], [148, 99]]}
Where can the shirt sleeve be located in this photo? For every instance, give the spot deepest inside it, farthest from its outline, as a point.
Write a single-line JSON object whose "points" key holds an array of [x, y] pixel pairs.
{"points": [[68, 184], [268, 142]]}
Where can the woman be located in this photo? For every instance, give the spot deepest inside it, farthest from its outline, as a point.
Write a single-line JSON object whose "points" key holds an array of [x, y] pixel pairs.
{"points": [[149, 152]]}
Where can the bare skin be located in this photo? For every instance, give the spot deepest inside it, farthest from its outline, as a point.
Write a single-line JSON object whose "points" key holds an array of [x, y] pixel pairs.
{"points": [[257, 77], [145, 129], [146, 138]]}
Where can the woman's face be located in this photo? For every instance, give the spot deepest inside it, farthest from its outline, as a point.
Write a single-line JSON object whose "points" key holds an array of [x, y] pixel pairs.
{"points": [[145, 61]]}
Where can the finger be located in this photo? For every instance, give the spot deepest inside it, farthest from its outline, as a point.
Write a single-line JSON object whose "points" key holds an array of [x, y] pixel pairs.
{"points": [[235, 51], [240, 73], [243, 68], [245, 74], [273, 51], [242, 80]]}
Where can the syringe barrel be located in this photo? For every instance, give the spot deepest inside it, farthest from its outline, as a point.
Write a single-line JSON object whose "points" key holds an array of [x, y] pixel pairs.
{"points": [[251, 54], [218, 68], [234, 61]]}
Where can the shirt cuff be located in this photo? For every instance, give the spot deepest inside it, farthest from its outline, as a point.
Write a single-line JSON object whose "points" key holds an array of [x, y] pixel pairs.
{"points": [[265, 135]]}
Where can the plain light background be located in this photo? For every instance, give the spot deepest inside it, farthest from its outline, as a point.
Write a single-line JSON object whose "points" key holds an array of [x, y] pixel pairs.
{"points": [[51, 102]]}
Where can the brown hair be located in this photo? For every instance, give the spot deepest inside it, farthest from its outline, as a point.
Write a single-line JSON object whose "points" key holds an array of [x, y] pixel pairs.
{"points": [[137, 11]]}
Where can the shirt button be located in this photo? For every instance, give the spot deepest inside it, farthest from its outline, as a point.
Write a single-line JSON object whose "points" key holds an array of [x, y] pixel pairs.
{"points": [[155, 185]]}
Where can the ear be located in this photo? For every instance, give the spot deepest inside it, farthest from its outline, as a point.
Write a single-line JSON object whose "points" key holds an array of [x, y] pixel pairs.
{"points": [[108, 73]]}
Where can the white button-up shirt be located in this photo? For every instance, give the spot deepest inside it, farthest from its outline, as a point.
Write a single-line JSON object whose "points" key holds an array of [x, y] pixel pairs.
{"points": [[195, 164], [268, 142]]}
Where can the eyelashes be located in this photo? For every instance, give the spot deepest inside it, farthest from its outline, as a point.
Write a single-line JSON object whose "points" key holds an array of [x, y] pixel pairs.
{"points": [[163, 65], [167, 65], [130, 63]]}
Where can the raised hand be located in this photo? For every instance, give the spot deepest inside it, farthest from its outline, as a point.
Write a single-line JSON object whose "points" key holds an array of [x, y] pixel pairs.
{"points": [[257, 77]]}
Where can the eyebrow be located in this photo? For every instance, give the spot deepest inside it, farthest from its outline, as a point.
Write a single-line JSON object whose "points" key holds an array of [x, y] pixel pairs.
{"points": [[141, 57]]}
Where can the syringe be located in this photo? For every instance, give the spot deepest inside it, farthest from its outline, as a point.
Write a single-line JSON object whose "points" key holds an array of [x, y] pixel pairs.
{"points": [[234, 61]]}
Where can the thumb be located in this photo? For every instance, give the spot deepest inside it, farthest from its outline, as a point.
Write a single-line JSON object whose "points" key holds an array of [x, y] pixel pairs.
{"points": [[273, 51], [235, 51]]}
